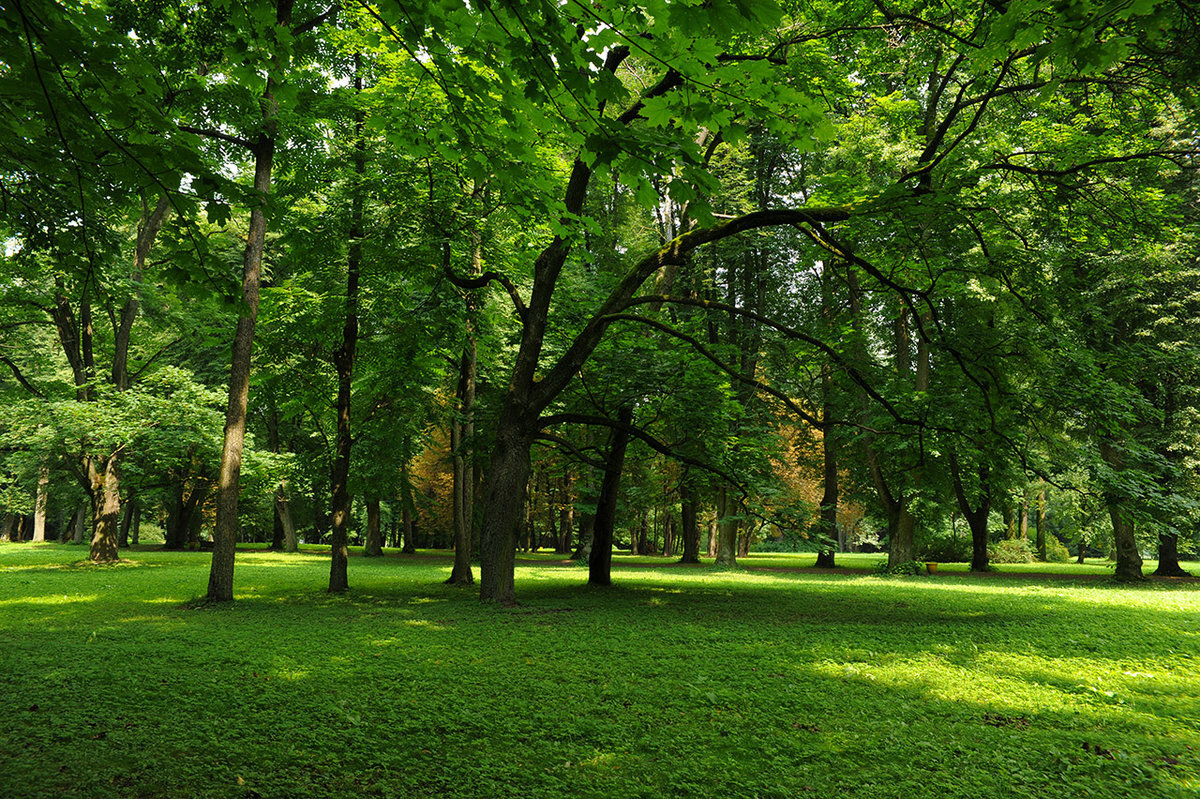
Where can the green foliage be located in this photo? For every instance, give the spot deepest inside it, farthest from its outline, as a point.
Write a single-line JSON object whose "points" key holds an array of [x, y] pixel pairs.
{"points": [[1011, 550], [1056, 552], [909, 568]]}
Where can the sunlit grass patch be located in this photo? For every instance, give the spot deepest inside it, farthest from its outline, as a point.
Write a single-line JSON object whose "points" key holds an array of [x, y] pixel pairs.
{"points": [[675, 681]]}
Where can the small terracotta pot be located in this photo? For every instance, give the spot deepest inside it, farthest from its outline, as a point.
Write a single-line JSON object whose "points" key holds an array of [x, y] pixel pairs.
{"points": [[931, 566]]}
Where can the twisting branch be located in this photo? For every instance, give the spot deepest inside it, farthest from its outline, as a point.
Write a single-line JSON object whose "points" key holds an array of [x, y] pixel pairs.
{"points": [[720, 364], [649, 440], [481, 281], [21, 377], [563, 443], [216, 134]]}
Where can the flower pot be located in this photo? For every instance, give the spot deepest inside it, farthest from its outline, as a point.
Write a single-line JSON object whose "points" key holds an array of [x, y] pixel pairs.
{"points": [[931, 566]]}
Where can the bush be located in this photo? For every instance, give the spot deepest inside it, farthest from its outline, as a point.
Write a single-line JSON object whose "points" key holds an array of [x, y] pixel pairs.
{"points": [[1056, 552], [946, 550], [908, 567], [1011, 550]]}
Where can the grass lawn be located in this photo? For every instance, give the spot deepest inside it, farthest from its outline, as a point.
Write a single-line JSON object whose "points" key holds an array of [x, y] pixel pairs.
{"points": [[676, 682]]}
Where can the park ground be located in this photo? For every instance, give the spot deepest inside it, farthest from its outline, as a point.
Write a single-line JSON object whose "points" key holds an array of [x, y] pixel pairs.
{"points": [[773, 680]]}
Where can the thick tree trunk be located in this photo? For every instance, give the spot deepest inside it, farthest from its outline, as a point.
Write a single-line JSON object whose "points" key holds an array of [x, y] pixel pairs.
{"points": [[283, 511], [39, 505], [1129, 560], [504, 512], [690, 526], [1024, 521], [220, 577], [727, 530], [135, 532], [106, 502], [600, 562], [1168, 557], [374, 543]]}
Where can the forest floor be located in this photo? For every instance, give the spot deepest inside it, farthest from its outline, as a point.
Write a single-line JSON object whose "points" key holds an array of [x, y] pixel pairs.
{"points": [[116, 682]]}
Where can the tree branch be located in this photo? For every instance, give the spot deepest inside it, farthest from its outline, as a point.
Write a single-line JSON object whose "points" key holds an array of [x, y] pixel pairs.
{"points": [[20, 377]]}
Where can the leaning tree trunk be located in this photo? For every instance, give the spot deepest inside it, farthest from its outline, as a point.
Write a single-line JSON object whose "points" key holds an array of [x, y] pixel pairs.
{"points": [[220, 576], [600, 561]]}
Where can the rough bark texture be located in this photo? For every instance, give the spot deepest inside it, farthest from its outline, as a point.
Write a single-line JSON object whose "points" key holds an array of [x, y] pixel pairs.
{"points": [[283, 510], [1168, 557], [106, 509], [343, 363], [1129, 560], [600, 561], [220, 578], [39, 507], [504, 500], [976, 515], [690, 524], [727, 530], [373, 547]]}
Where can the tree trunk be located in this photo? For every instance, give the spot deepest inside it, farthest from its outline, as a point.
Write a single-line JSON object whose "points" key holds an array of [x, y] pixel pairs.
{"points": [[283, 511], [343, 361], [977, 517], [39, 506], [727, 530], [827, 531], [1024, 522], [504, 512], [600, 562], [1168, 557], [135, 531], [220, 577], [148, 227], [127, 522], [374, 543], [711, 548], [690, 527], [1129, 560], [80, 523], [1039, 521], [106, 510], [407, 510]]}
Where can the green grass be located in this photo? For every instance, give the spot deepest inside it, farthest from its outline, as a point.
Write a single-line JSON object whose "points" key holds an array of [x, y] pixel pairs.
{"points": [[676, 682]]}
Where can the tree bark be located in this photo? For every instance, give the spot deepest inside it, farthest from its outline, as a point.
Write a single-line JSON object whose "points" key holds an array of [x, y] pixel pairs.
{"points": [[504, 515], [343, 362], [827, 533], [1168, 557], [149, 225], [727, 530], [374, 541], [127, 521], [220, 577], [283, 510], [39, 505], [1129, 560], [977, 516], [1039, 521], [106, 510], [407, 510], [80, 522], [600, 561], [690, 526]]}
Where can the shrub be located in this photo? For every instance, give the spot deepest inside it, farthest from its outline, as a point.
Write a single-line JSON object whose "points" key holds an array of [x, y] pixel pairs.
{"points": [[1011, 550], [1056, 552], [946, 550], [908, 567]]}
